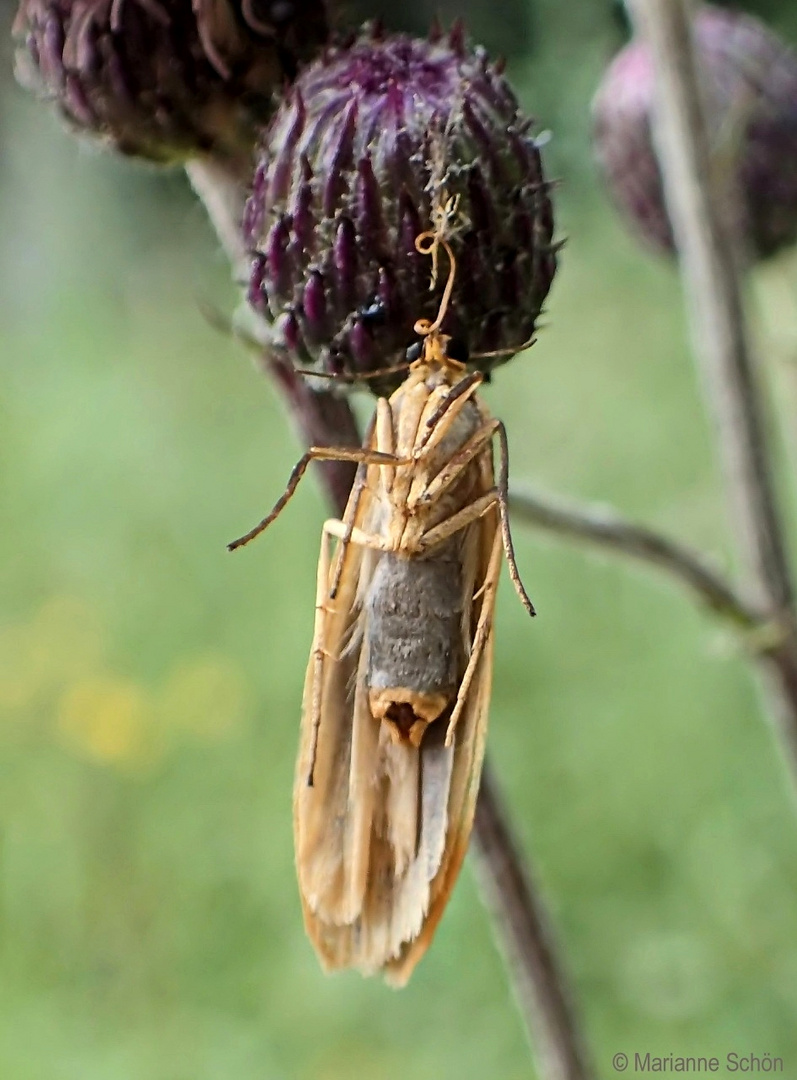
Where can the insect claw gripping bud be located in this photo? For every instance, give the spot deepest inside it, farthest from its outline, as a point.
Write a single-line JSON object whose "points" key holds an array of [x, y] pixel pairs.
{"points": [[751, 83], [167, 79], [374, 138]]}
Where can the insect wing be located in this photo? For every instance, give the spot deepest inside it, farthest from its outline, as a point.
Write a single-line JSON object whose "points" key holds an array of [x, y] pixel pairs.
{"points": [[331, 751], [463, 787], [382, 832]]}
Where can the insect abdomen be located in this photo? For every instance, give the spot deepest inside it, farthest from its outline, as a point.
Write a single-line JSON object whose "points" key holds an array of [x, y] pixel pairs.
{"points": [[414, 639]]}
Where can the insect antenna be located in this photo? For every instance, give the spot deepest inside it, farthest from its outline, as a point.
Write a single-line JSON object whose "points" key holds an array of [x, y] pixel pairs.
{"points": [[429, 243], [504, 352], [353, 376], [226, 325]]}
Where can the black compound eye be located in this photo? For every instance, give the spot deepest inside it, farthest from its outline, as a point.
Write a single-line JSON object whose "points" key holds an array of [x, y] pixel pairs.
{"points": [[414, 352], [457, 349]]}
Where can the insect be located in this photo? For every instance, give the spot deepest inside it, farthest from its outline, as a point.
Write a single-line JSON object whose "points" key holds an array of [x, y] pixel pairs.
{"points": [[397, 689]]}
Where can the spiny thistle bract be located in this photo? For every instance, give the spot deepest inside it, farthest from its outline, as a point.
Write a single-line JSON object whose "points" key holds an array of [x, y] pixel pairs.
{"points": [[750, 78], [165, 79], [373, 142]]}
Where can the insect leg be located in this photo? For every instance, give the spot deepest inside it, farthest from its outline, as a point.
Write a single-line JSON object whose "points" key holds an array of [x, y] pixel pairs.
{"points": [[318, 652], [352, 506], [448, 409], [353, 535], [358, 487], [484, 627], [464, 517], [478, 508], [315, 453], [459, 461], [502, 490], [385, 443]]}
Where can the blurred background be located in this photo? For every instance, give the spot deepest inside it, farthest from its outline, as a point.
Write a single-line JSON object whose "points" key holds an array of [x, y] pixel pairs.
{"points": [[150, 683]]}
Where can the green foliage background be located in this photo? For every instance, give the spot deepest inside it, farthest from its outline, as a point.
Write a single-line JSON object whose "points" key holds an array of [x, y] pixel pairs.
{"points": [[150, 683]]}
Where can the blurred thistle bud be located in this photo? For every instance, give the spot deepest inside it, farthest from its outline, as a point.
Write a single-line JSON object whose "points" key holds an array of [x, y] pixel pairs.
{"points": [[378, 142], [750, 78], [167, 79]]}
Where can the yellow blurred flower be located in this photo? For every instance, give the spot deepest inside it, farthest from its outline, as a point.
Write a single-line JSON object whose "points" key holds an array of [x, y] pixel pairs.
{"points": [[63, 639], [109, 720]]}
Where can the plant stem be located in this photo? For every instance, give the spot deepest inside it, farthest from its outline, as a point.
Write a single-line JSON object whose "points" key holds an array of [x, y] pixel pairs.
{"points": [[518, 912], [321, 419], [224, 197], [521, 926], [605, 528], [699, 199]]}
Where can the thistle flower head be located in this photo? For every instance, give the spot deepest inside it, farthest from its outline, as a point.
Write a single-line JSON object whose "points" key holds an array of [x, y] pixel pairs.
{"points": [[378, 142], [751, 90], [165, 79]]}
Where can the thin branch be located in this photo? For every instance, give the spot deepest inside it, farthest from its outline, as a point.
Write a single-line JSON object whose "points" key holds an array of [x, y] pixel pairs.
{"points": [[521, 926], [518, 911], [700, 202], [605, 528], [224, 197], [320, 418]]}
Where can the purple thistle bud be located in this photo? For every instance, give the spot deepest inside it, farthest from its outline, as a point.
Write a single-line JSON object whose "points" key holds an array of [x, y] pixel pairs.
{"points": [[369, 210], [344, 261], [371, 140], [362, 346], [278, 260], [290, 331], [751, 87], [314, 306], [167, 80]]}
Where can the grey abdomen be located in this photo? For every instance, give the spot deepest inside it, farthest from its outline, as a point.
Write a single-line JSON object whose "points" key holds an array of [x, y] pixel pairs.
{"points": [[414, 624]]}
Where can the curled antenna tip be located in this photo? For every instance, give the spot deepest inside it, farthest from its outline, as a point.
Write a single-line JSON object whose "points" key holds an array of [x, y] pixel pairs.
{"points": [[428, 243]]}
